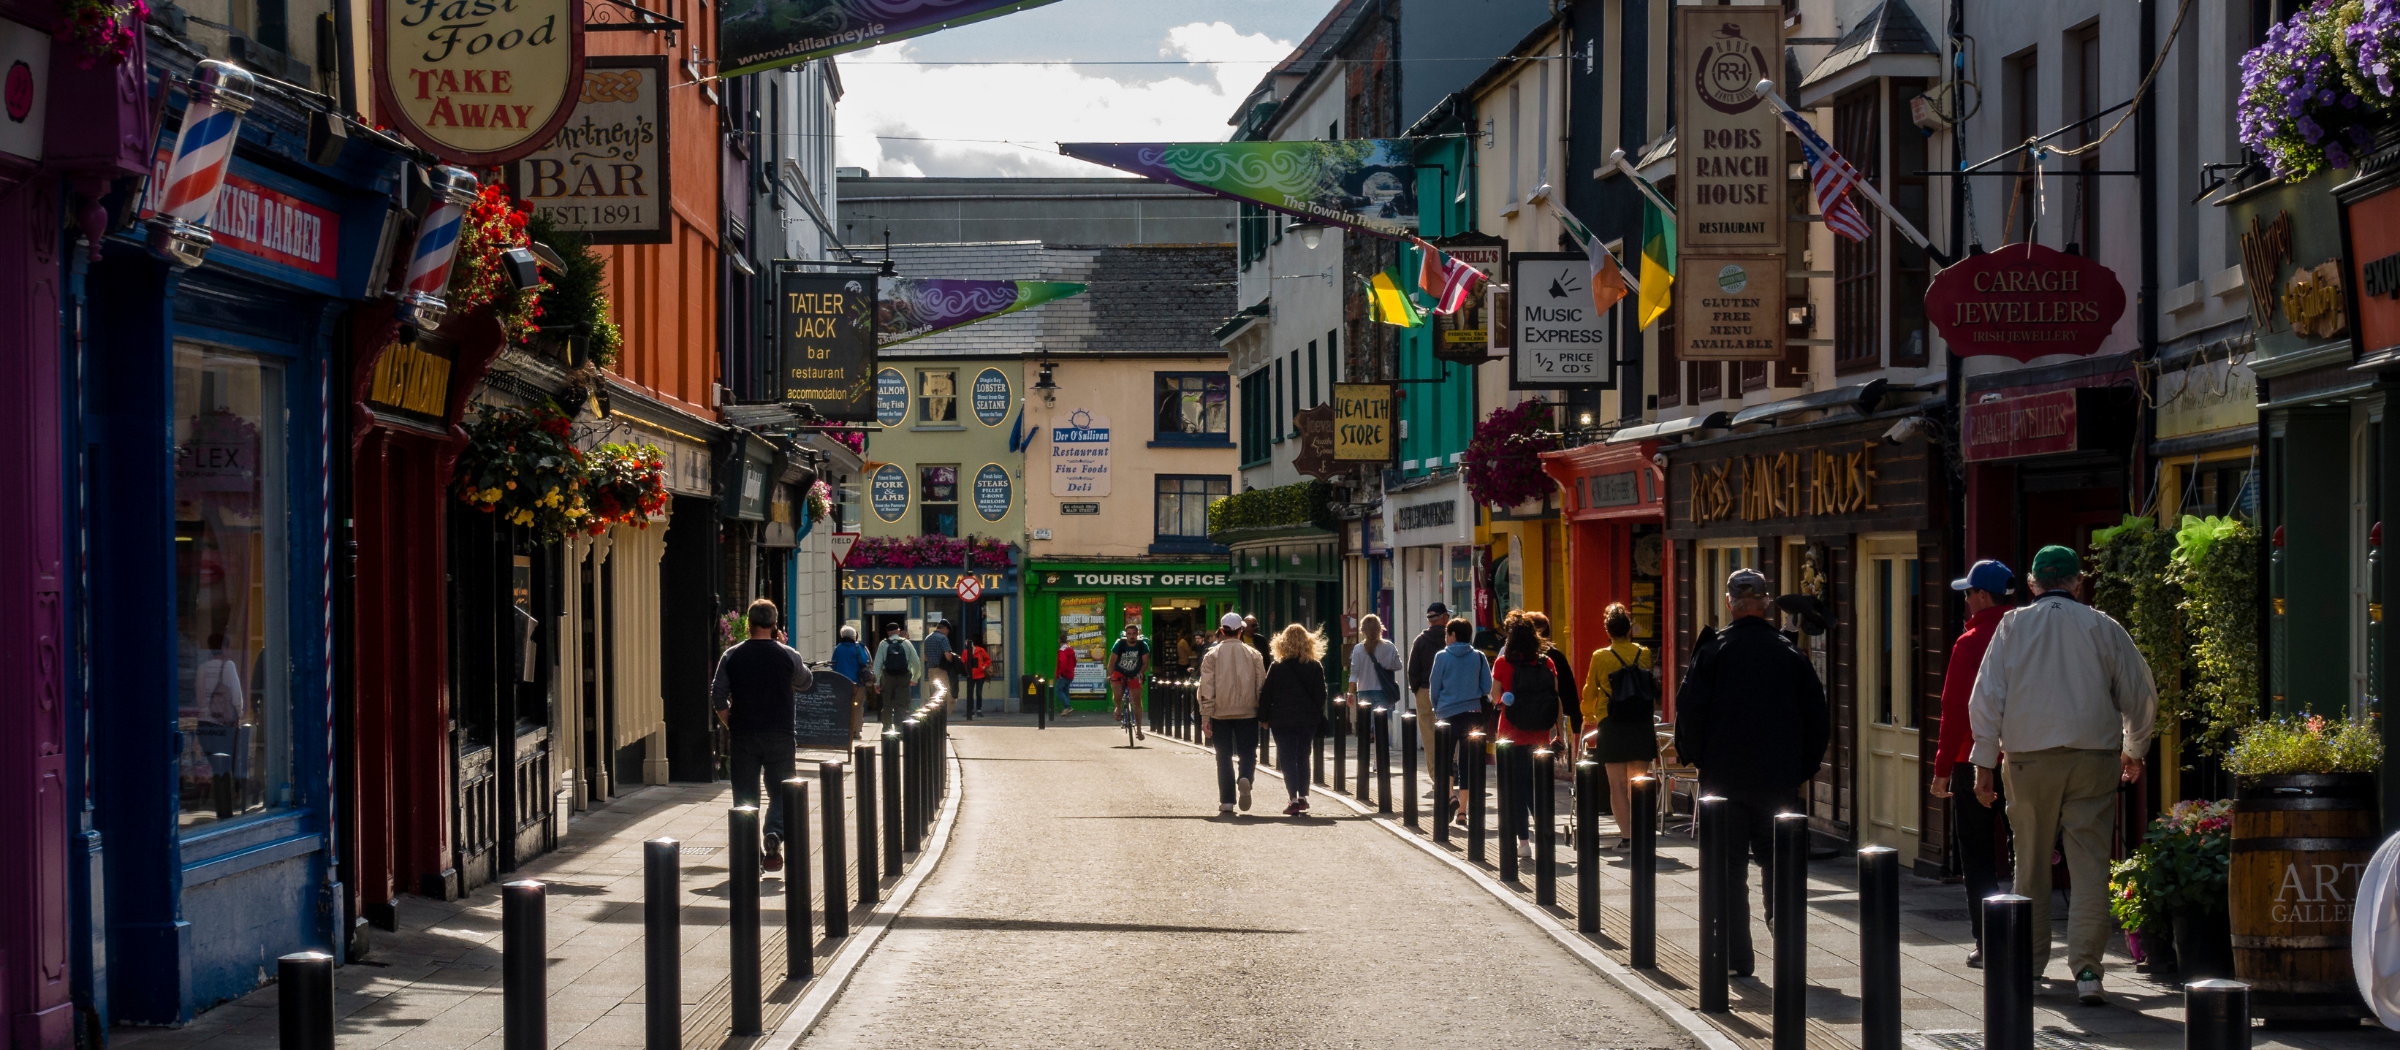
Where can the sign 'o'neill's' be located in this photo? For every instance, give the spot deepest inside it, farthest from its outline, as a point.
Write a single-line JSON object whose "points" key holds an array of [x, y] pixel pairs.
{"points": [[478, 82]]}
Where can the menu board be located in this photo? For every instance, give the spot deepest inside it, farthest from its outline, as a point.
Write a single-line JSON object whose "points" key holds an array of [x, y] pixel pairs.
{"points": [[821, 713], [1083, 624]]}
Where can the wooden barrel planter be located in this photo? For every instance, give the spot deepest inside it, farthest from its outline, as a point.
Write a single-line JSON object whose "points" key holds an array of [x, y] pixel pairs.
{"points": [[2300, 843]]}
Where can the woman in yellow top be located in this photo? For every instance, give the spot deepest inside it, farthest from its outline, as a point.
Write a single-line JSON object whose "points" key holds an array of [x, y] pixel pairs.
{"points": [[1624, 739]]}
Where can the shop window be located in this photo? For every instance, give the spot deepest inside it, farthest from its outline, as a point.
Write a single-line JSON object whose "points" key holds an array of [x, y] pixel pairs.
{"points": [[937, 500], [233, 707], [937, 396], [1275, 423], [1717, 560], [1183, 501], [1754, 376], [1191, 407], [1256, 418], [1857, 274]]}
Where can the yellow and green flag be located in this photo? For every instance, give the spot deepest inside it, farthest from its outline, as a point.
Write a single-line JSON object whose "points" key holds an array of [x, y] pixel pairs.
{"points": [[1388, 302], [1658, 252]]}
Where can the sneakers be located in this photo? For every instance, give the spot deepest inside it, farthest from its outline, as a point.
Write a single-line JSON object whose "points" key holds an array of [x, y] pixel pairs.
{"points": [[1294, 809], [2087, 988], [773, 861], [1524, 849], [1225, 807], [1244, 786], [1975, 958], [1301, 802]]}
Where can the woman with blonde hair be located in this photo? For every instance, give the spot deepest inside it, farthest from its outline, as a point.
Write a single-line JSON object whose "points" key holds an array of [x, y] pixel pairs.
{"points": [[1292, 704], [1624, 739], [1374, 673]]}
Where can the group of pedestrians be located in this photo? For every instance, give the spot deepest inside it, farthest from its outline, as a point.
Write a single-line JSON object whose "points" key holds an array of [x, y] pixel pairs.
{"points": [[887, 677]]}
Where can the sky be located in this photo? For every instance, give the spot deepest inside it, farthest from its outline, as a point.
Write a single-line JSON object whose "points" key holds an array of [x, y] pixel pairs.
{"points": [[916, 90]]}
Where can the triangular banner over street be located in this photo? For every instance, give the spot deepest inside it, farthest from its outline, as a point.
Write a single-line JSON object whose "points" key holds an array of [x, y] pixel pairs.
{"points": [[916, 307], [1367, 185], [763, 34]]}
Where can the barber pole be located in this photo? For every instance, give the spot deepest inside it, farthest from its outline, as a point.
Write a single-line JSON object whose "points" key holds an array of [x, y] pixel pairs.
{"points": [[421, 304], [212, 123]]}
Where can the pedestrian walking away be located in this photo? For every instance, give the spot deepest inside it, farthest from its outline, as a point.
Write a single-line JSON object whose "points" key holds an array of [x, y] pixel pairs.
{"points": [[754, 694], [1620, 702], [1526, 683], [2063, 693], [1066, 677], [1230, 677], [1568, 693], [1461, 688], [1977, 823], [1292, 704], [941, 663], [979, 671], [897, 669], [851, 660], [1374, 673], [1751, 716], [1421, 652], [1128, 663]]}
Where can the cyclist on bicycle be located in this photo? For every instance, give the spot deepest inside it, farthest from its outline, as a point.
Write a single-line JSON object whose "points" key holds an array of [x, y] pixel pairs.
{"points": [[1128, 661]]}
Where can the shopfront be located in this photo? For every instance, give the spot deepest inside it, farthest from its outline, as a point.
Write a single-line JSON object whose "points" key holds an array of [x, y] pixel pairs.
{"points": [[1614, 512], [1429, 526], [1848, 511], [2051, 455], [1088, 604], [876, 597], [1288, 575]]}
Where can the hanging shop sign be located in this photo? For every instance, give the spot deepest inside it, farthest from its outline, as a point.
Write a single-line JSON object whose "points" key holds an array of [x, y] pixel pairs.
{"points": [[761, 34], [1502, 335], [474, 82], [915, 307], [2371, 230], [994, 492], [891, 397], [1315, 458], [25, 64], [1562, 340], [2025, 301], [871, 580], [1730, 308], [603, 175], [1729, 168], [1367, 185], [2082, 419], [1079, 455], [887, 491], [1465, 335], [992, 397], [412, 381], [1362, 422], [828, 345], [782, 528], [260, 222]]}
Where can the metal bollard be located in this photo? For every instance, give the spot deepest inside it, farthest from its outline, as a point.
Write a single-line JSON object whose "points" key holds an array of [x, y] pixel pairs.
{"points": [[799, 926], [1879, 948], [2216, 1015], [747, 985], [1474, 776], [1363, 724], [304, 1000], [1504, 758], [1642, 915], [1408, 768], [1037, 697], [1790, 889], [1715, 822], [1545, 827], [1339, 728], [662, 944], [837, 852], [870, 882], [2008, 972], [891, 801], [912, 781], [1383, 759], [1587, 846], [1442, 754], [524, 968]]}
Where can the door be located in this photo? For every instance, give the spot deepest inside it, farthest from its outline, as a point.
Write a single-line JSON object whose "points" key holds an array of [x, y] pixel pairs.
{"points": [[1886, 648]]}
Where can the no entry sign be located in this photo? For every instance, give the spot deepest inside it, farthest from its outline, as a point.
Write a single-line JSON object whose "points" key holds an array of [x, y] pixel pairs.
{"points": [[970, 588]]}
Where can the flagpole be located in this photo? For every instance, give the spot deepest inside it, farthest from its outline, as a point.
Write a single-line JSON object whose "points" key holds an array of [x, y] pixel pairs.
{"points": [[1766, 90], [1616, 159]]}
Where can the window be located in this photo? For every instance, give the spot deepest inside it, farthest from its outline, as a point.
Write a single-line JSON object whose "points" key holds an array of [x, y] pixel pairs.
{"points": [[1314, 399], [1910, 275], [2084, 52], [230, 549], [1192, 408], [1716, 560], [2023, 118], [937, 396], [1183, 501], [1256, 418], [1275, 422], [1670, 370], [1295, 416], [937, 500], [1857, 282], [1333, 354], [1514, 141]]}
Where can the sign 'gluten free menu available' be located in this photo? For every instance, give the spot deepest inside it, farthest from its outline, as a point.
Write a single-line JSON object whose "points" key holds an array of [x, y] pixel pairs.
{"points": [[478, 82]]}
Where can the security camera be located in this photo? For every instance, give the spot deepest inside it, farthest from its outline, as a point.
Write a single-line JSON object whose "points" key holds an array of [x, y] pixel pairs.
{"points": [[1904, 429], [1659, 460]]}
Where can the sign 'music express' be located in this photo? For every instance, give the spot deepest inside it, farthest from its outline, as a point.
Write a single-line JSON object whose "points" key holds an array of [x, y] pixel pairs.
{"points": [[478, 82], [2025, 301]]}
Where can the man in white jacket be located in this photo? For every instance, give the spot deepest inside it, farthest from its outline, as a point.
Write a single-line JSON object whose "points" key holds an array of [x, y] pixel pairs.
{"points": [[1230, 676], [2064, 693]]}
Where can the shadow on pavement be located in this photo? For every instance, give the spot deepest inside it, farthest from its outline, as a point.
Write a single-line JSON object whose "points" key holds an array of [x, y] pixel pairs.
{"points": [[969, 922]]}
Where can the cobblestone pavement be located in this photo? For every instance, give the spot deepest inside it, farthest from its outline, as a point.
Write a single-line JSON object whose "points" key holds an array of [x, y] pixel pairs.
{"points": [[1092, 897]]}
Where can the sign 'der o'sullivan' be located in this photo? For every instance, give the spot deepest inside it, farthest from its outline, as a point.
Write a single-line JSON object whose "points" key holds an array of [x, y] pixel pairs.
{"points": [[478, 82], [2025, 301]]}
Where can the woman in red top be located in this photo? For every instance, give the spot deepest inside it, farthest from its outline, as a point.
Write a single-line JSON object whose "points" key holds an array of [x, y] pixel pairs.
{"points": [[1525, 681], [1985, 588], [979, 668]]}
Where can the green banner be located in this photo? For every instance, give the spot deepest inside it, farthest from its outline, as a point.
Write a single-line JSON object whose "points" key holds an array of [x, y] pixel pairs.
{"points": [[761, 34], [1367, 185]]}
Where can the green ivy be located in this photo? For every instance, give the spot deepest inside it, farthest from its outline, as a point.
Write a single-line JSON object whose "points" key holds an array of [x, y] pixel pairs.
{"points": [[2135, 588], [2216, 564], [1300, 503]]}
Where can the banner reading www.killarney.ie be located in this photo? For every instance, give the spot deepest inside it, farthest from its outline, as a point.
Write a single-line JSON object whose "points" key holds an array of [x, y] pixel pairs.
{"points": [[1368, 185], [761, 34]]}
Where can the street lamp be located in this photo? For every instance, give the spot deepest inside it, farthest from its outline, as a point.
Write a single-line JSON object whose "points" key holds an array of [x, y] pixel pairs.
{"points": [[212, 124], [1312, 232], [1045, 385]]}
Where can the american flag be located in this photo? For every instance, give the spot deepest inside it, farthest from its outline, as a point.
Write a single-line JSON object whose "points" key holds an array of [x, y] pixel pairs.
{"points": [[1832, 176], [1458, 283]]}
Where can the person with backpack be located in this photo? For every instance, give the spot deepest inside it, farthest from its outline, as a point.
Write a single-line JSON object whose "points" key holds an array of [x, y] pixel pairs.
{"points": [[1620, 703], [1292, 705], [1374, 674], [897, 669], [1527, 682], [1566, 671], [979, 670]]}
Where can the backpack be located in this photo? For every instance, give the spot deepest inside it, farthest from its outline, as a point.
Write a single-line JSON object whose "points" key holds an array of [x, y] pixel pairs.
{"points": [[1536, 688], [1632, 691], [895, 658]]}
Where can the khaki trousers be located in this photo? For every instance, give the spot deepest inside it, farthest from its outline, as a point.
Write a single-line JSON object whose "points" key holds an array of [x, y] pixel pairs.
{"points": [[2069, 793], [1425, 722]]}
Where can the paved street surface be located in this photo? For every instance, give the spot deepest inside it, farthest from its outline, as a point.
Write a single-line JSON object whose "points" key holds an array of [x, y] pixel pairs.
{"points": [[1091, 897]]}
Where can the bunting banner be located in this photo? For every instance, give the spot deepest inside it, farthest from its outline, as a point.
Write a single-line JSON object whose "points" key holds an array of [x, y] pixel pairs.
{"points": [[1367, 185], [916, 307], [761, 34]]}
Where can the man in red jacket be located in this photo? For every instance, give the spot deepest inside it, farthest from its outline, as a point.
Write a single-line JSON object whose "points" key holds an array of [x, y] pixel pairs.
{"points": [[1986, 590], [1066, 674]]}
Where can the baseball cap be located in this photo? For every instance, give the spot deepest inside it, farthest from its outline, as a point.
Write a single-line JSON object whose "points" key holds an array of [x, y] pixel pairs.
{"points": [[1746, 583], [1437, 609], [1230, 621], [2056, 562], [1987, 575]]}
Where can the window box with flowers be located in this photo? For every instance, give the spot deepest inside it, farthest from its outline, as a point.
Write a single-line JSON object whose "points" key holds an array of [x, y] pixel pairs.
{"points": [[2315, 90], [931, 552]]}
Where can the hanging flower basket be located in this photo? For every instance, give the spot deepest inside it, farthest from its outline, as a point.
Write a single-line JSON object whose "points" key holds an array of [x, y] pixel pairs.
{"points": [[520, 464], [100, 32], [818, 504], [479, 280], [628, 485], [1503, 461], [2312, 91], [931, 552]]}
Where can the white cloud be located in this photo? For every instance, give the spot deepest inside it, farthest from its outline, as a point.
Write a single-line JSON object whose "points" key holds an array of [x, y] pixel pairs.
{"points": [[887, 92]]}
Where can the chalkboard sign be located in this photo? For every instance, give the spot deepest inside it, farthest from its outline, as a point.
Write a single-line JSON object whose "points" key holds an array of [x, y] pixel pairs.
{"points": [[821, 713]]}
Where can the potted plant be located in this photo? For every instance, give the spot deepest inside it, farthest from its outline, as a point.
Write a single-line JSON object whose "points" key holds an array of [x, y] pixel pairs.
{"points": [[2304, 825], [2149, 933], [2177, 881]]}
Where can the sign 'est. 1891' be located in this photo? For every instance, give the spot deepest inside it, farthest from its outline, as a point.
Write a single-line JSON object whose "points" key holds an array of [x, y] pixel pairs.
{"points": [[478, 82]]}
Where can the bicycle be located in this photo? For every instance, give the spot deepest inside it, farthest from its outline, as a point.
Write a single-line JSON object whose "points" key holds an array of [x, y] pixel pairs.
{"points": [[1129, 709]]}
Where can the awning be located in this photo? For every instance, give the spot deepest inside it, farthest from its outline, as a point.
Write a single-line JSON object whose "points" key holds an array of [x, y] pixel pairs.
{"points": [[1861, 397], [1888, 42], [1671, 428]]}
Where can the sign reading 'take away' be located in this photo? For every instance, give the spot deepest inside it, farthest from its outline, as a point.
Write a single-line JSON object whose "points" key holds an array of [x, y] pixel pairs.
{"points": [[478, 82]]}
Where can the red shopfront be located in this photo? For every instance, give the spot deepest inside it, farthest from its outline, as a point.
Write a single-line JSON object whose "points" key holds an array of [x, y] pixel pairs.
{"points": [[2048, 462], [1613, 502]]}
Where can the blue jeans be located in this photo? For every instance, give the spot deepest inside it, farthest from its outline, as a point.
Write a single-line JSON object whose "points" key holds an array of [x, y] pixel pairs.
{"points": [[1233, 736], [1063, 704], [772, 754]]}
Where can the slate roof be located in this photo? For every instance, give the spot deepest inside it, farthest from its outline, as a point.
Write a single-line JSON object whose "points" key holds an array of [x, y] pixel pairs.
{"points": [[1892, 28], [1144, 299]]}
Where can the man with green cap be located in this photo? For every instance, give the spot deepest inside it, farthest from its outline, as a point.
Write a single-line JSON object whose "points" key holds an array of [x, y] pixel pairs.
{"points": [[2067, 697]]}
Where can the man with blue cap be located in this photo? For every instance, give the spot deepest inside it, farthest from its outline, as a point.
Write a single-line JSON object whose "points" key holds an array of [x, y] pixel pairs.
{"points": [[1986, 589]]}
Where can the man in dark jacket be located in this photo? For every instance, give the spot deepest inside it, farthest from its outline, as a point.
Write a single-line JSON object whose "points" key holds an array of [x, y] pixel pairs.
{"points": [[1752, 716], [1421, 652], [754, 696]]}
